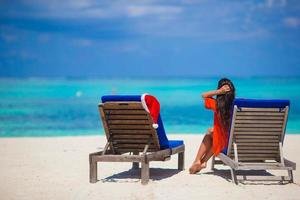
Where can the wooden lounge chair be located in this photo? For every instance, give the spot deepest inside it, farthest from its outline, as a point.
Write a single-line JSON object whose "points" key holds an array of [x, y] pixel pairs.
{"points": [[255, 139], [131, 137]]}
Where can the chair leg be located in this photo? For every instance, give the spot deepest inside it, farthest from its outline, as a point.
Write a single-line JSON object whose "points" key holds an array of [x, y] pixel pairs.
{"points": [[212, 163], [93, 170], [290, 172], [145, 172], [181, 161], [135, 165], [233, 176]]}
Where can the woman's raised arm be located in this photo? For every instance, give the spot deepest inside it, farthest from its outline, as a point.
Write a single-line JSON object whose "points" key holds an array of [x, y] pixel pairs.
{"points": [[222, 90]]}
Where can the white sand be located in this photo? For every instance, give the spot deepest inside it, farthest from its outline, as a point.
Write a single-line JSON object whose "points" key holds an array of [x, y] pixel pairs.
{"points": [[58, 168]]}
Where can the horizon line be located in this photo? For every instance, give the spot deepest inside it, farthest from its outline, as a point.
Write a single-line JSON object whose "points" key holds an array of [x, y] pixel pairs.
{"points": [[139, 77]]}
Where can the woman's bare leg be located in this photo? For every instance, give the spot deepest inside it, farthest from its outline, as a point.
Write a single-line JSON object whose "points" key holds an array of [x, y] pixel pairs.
{"points": [[204, 149], [206, 157]]}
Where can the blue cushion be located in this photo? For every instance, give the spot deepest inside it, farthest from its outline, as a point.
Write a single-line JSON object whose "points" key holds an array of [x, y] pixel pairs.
{"points": [[120, 98], [175, 143], [258, 103], [261, 103], [162, 137]]}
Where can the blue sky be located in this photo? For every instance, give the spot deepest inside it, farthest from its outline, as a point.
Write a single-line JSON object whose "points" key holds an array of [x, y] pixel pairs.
{"points": [[140, 38]]}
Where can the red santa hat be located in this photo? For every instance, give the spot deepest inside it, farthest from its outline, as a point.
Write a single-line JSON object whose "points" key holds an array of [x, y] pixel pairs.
{"points": [[152, 106]]}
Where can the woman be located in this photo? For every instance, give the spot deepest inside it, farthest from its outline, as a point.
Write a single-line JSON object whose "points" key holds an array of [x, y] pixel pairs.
{"points": [[215, 139]]}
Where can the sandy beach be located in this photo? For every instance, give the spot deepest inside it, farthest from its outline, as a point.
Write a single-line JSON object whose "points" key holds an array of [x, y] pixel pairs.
{"points": [[58, 168]]}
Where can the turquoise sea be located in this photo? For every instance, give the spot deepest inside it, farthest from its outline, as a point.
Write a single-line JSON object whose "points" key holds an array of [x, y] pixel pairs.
{"points": [[61, 107]]}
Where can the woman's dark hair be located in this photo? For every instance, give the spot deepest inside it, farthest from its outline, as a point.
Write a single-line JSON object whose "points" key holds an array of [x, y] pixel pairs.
{"points": [[224, 102]]}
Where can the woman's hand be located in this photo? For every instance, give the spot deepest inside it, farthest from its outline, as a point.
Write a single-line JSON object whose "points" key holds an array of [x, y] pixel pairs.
{"points": [[224, 89]]}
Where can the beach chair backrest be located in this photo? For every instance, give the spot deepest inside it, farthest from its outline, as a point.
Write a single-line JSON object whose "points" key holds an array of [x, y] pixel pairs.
{"points": [[128, 127], [257, 130]]}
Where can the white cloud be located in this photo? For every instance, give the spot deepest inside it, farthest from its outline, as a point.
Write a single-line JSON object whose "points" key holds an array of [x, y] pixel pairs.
{"points": [[137, 11], [96, 9], [229, 20], [83, 42], [273, 3], [292, 22]]}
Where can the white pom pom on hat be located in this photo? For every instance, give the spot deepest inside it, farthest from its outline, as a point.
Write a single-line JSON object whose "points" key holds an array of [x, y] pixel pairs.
{"points": [[155, 126]]}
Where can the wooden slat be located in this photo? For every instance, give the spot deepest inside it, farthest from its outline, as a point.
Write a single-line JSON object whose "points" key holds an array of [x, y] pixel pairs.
{"points": [[258, 157], [260, 114], [125, 112], [135, 150], [141, 147], [125, 147], [258, 147], [249, 160], [258, 117], [122, 105], [241, 151], [254, 121], [131, 131], [119, 117], [257, 129], [131, 137], [131, 141], [117, 158], [242, 140], [257, 133], [259, 109], [261, 159], [118, 146], [252, 160], [126, 121], [165, 153], [257, 144], [258, 125], [250, 150], [129, 127], [250, 136], [266, 163]]}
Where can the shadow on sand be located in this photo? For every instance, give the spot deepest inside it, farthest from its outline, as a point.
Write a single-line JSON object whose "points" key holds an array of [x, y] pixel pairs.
{"points": [[134, 175], [225, 173]]}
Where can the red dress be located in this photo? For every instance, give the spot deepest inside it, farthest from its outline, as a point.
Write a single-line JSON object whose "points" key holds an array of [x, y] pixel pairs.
{"points": [[219, 132]]}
